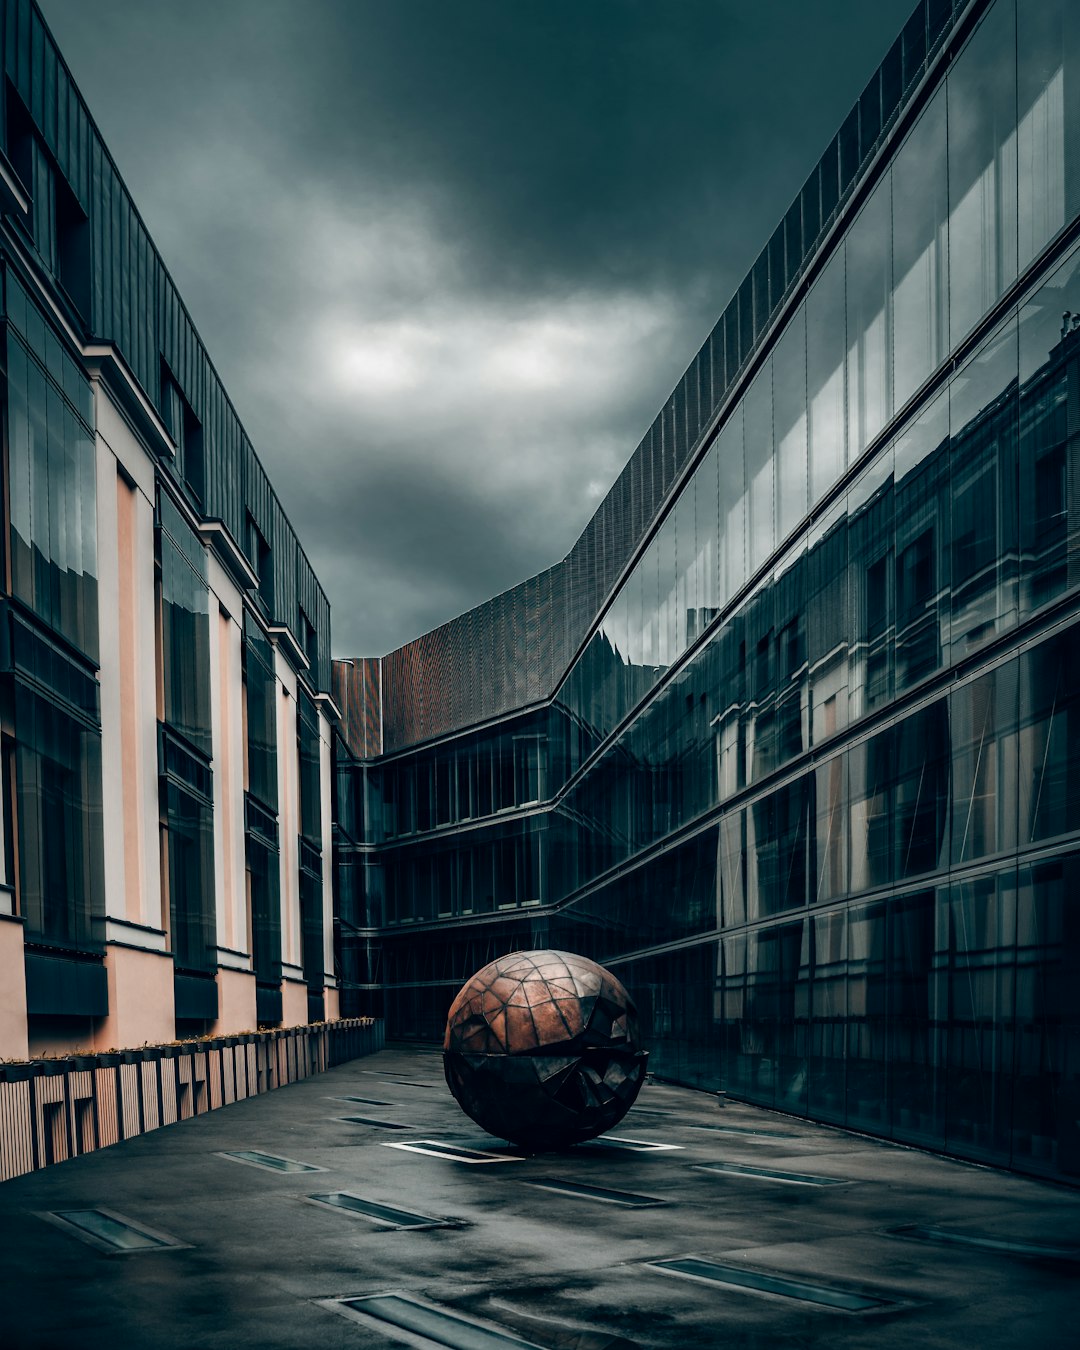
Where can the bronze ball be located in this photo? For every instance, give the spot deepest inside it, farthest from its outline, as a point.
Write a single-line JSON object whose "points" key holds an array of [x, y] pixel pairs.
{"points": [[542, 1048]]}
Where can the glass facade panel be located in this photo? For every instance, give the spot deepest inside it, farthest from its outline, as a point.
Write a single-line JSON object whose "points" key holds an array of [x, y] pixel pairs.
{"points": [[825, 351], [1049, 457], [982, 168], [760, 468], [733, 507], [869, 257], [185, 628], [920, 295], [985, 521], [789, 417], [922, 544], [1048, 120], [52, 473], [57, 761]]}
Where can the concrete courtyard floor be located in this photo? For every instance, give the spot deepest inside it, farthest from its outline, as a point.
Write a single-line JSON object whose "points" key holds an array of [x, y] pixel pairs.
{"points": [[521, 1263]]}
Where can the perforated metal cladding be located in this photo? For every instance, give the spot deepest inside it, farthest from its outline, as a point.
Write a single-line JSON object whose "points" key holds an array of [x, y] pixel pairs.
{"points": [[356, 690]]}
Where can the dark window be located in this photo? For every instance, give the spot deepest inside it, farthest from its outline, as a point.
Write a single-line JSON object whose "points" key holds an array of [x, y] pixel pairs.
{"points": [[259, 557], [186, 430]]}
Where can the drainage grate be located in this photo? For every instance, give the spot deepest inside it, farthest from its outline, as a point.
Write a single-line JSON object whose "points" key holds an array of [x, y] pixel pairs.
{"points": [[399, 1082], [384, 1215], [269, 1161], [111, 1232], [771, 1174], [411, 1317], [370, 1120], [364, 1101], [982, 1242], [761, 1282], [615, 1141], [454, 1152], [626, 1198], [747, 1133]]}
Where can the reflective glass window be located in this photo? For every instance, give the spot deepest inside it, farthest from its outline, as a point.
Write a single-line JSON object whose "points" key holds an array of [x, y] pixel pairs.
{"points": [[760, 467], [923, 517], [830, 820], [865, 1041], [917, 1008], [789, 418], [1049, 753], [985, 524], [686, 568], [825, 348], [667, 581], [53, 478], [733, 507], [870, 591], [982, 716], [1048, 120], [920, 252], [828, 623], [869, 357], [707, 546], [1049, 469], [185, 628], [982, 168]]}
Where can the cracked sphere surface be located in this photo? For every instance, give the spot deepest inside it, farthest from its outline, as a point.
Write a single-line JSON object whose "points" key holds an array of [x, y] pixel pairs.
{"points": [[542, 1048]]}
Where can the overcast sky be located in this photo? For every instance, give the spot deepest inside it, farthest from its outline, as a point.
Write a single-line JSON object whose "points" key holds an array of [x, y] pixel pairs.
{"points": [[451, 256]]}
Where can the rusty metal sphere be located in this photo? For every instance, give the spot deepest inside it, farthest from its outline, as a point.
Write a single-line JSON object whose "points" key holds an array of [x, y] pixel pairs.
{"points": [[542, 1048]]}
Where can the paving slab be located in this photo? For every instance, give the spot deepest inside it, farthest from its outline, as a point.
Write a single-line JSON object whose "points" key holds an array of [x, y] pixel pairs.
{"points": [[952, 1254]]}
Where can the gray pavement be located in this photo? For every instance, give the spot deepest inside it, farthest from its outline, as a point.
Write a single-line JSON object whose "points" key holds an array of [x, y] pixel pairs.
{"points": [[522, 1264]]}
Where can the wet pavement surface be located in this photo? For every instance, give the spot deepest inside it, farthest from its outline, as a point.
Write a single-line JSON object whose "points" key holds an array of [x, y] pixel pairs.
{"points": [[700, 1225]]}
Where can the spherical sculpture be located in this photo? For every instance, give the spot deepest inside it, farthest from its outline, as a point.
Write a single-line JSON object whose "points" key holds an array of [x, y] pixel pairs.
{"points": [[542, 1049]]}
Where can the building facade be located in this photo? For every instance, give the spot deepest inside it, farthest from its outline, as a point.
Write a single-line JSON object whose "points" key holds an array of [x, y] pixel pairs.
{"points": [[790, 740], [165, 717]]}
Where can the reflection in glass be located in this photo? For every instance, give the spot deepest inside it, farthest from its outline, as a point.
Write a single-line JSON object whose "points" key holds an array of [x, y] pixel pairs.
{"points": [[758, 426], [789, 418], [733, 503], [1049, 467], [869, 279], [825, 377], [983, 414], [920, 252], [1048, 127], [923, 518], [982, 168]]}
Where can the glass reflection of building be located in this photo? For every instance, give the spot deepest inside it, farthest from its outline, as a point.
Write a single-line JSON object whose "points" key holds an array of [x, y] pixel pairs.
{"points": [[790, 739]]}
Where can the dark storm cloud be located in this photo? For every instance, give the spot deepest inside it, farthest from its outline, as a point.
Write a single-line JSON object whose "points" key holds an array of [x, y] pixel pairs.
{"points": [[450, 257]]}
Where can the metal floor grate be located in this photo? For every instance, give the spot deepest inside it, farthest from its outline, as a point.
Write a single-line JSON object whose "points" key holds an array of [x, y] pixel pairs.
{"points": [[370, 1120], [111, 1232], [771, 1174], [576, 1188], [621, 1143], [984, 1242], [383, 1215], [760, 1281], [411, 1317], [454, 1152], [269, 1162]]}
